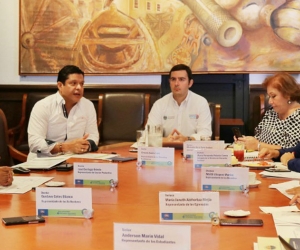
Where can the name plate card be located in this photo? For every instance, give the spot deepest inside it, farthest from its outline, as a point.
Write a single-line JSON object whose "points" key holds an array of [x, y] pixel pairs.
{"points": [[64, 202], [188, 206], [190, 146], [224, 179], [151, 156], [99, 174], [150, 236], [211, 157]]}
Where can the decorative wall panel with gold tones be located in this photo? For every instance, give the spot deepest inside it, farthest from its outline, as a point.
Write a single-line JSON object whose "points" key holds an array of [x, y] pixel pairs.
{"points": [[108, 37]]}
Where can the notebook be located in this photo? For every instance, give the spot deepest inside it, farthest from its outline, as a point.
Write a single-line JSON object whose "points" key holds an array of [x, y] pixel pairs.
{"points": [[43, 163]]}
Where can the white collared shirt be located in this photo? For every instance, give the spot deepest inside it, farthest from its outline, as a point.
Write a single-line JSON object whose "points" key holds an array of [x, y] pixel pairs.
{"points": [[191, 118], [47, 121]]}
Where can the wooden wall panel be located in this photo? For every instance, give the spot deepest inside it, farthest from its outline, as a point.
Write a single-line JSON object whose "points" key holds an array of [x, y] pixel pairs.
{"points": [[236, 97]]}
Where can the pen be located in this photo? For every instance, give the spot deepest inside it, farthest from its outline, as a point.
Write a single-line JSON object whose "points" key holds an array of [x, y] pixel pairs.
{"points": [[285, 243], [114, 153]]}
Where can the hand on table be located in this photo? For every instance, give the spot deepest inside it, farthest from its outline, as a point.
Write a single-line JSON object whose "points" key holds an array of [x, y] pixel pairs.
{"points": [[176, 136], [294, 191], [296, 198], [286, 157], [250, 142], [268, 153], [6, 176], [79, 146]]}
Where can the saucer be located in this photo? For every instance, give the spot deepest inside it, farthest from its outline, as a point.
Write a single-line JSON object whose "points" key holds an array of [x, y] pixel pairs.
{"points": [[237, 213], [255, 184], [257, 164], [54, 184]]}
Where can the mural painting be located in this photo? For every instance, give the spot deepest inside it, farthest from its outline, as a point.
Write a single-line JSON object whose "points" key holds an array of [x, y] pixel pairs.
{"points": [[111, 37]]}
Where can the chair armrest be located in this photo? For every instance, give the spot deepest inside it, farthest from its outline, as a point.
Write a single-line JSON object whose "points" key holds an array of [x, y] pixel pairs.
{"points": [[100, 106], [146, 109], [13, 135], [217, 121], [15, 154], [16, 134]]}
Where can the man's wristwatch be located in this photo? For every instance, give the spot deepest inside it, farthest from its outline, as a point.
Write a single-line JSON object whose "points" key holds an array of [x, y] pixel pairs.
{"points": [[189, 138]]}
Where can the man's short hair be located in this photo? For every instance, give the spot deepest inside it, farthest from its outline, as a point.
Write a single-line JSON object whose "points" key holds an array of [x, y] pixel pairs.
{"points": [[182, 67], [67, 70]]}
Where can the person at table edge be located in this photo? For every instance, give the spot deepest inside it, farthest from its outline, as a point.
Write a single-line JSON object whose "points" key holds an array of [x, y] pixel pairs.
{"points": [[6, 176], [289, 157], [65, 121], [183, 114]]}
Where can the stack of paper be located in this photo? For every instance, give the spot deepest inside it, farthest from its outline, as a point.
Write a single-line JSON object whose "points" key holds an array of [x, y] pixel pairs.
{"points": [[290, 175], [23, 184]]}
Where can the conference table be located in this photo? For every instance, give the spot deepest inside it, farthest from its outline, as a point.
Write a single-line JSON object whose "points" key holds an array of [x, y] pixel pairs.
{"points": [[135, 200]]}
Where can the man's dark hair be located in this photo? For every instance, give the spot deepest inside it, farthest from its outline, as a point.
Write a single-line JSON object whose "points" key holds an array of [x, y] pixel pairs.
{"points": [[67, 70], [182, 67]]}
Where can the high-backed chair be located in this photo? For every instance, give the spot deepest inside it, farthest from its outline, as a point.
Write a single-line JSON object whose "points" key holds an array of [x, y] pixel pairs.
{"points": [[18, 136], [259, 109], [215, 110], [7, 152], [120, 115]]}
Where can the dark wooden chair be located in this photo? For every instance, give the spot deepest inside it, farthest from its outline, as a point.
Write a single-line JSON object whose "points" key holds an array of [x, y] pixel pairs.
{"points": [[18, 136], [120, 115], [259, 109], [215, 110], [7, 152]]}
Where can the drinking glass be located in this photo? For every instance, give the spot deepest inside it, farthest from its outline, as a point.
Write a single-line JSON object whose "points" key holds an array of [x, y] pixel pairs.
{"points": [[141, 138], [154, 135], [238, 150]]}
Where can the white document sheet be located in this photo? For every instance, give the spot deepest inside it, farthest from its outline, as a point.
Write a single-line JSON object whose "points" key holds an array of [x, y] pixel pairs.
{"points": [[286, 218], [287, 224], [290, 175], [270, 210], [282, 187], [23, 184]]}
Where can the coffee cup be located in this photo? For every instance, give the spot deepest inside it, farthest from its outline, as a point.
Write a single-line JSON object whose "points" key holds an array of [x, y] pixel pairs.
{"points": [[252, 178]]}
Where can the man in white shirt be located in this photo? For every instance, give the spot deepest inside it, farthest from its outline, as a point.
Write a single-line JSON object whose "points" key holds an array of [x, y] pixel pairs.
{"points": [[183, 114], [65, 121]]}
